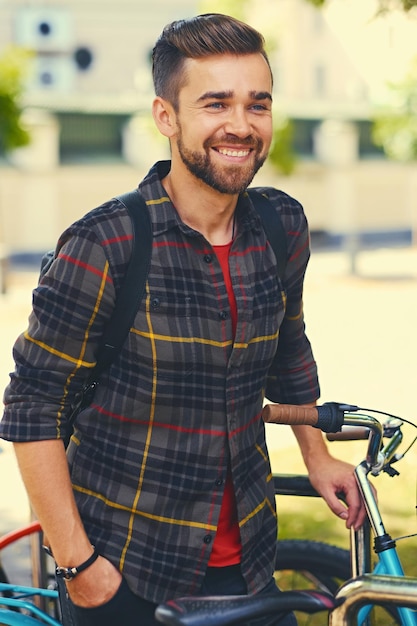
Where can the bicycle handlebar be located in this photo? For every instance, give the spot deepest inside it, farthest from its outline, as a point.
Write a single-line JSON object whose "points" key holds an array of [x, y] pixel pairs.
{"points": [[290, 414], [329, 417], [349, 433]]}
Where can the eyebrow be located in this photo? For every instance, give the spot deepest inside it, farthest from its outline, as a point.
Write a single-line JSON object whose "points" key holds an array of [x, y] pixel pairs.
{"points": [[225, 95]]}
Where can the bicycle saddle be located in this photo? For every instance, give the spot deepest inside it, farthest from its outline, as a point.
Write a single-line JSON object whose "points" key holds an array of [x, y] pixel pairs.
{"points": [[222, 611]]}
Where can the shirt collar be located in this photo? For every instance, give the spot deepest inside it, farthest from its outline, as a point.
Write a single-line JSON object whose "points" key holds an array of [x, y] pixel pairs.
{"points": [[164, 215]]}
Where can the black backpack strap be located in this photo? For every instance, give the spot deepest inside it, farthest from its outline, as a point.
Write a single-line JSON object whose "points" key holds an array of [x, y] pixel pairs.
{"points": [[133, 286], [127, 301], [273, 227]]}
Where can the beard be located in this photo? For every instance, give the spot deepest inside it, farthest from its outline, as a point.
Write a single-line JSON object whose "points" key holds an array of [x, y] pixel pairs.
{"points": [[230, 179]]}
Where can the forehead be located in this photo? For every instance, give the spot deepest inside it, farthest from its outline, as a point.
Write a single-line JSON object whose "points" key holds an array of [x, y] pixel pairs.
{"points": [[232, 73]]}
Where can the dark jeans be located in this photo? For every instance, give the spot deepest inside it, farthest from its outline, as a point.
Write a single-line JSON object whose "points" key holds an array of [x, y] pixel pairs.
{"points": [[124, 609], [127, 609], [228, 581]]}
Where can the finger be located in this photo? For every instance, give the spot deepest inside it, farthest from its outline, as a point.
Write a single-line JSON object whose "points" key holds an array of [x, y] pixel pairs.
{"points": [[356, 510], [336, 505]]}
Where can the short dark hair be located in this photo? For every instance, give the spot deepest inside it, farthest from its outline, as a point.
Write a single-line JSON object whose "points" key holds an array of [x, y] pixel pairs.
{"points": [[194, 38]]}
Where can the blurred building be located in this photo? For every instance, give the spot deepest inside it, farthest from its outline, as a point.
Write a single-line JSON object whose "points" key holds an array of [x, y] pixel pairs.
{"points": [[337, 62], [91, 63], [89, 95]]}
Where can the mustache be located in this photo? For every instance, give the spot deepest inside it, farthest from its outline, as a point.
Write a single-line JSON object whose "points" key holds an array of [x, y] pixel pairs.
{"points": [[232, 140]]}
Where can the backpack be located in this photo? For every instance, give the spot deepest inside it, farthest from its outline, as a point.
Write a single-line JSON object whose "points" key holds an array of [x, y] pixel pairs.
{"points": [[133, 286]]}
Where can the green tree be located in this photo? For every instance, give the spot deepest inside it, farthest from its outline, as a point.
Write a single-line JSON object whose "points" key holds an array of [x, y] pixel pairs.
{"points": [[281, 154], [384, 5], [13, 64], [395, 130]]}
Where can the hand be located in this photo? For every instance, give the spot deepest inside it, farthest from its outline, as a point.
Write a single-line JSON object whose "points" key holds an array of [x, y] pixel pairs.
{"points": [[330, 476], [96, 585]]}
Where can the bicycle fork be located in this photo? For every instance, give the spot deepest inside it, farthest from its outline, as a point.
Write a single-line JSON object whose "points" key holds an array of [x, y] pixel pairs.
{"points": [[384, 546]]}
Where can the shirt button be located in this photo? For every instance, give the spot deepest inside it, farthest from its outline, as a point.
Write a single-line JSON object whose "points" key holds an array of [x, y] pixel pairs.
{"points": [[155, 303], [208, 539], [219, 482], [223, 315], [208, 258]]}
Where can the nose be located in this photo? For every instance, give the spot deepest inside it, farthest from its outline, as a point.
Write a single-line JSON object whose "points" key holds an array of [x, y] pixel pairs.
{"points": [[238, 122]]}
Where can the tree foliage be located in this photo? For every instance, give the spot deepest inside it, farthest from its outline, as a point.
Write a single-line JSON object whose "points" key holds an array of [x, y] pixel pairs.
{"points": [[393, 5], [396, 129], [13, 63], [383, 5], [281, 154]]}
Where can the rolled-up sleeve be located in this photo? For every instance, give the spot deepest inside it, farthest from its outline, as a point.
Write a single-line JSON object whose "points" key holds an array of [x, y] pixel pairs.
{"points": [[56, 353]]}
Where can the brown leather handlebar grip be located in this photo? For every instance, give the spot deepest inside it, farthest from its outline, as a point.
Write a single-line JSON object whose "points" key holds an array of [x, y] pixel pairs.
{"points": [[290, 414]]}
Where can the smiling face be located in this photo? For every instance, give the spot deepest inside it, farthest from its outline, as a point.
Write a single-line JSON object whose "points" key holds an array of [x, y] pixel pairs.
{"points": [[224, 120]]}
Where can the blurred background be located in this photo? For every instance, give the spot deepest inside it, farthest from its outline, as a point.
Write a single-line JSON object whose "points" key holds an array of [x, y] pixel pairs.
{"points": [[345, 102], [76, 129]]}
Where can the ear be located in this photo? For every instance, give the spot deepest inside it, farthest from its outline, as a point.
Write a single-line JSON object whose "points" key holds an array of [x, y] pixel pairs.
{"points": [[165, 117]]}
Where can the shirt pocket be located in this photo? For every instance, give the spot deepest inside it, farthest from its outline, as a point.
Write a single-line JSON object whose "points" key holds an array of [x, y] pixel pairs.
{"points": [[268, 309], [172, 328], [261, 331]]}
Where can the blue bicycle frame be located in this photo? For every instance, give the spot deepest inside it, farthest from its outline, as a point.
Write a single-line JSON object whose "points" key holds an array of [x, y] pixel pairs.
{"points": [[389, 563]]}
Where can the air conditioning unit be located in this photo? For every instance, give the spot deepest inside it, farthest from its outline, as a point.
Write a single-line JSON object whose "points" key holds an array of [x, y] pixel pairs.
{"points": [[52, 73], [44, 29]]}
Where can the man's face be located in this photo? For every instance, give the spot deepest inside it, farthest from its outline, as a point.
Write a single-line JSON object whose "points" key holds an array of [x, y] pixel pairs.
{"points": [[224, 120]]}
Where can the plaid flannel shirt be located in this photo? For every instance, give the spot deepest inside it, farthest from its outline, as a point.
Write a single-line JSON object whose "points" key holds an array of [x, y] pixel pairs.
{"points": [[182, 401]]}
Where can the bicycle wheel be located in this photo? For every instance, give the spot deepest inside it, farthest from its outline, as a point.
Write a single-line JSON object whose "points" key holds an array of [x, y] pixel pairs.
{"points": [[304, 564]]}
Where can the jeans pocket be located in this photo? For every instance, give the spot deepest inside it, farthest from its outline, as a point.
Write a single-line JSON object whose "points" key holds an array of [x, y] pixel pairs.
{"points": [[116, 611]]}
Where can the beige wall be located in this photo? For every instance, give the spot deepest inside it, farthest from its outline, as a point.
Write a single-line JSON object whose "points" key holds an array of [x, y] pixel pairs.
{"points": [[374, 195], [370, 196]]}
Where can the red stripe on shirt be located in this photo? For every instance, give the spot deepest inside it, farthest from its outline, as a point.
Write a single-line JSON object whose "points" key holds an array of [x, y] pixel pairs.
{"points": [[86, 266]]}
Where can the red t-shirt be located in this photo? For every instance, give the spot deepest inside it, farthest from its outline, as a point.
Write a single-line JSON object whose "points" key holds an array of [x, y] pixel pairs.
{"points": [[227, 546]]}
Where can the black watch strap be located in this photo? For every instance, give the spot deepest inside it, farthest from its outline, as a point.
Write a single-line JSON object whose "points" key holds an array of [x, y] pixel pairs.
{"points": [[68, 573]]}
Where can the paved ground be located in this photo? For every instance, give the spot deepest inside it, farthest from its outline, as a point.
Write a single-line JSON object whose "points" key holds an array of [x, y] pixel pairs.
{"points": [[363, 329]]}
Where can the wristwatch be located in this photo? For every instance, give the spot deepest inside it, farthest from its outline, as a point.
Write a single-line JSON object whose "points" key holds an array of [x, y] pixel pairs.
{"points": [[68, 573]]}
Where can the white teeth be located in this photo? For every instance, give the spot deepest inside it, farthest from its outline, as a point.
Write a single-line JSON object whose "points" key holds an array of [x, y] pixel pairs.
{"points": [[234, 153]]}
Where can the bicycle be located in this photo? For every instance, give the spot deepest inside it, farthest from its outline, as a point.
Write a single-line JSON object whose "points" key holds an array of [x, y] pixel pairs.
{"points": [[367, 586], [22, 605]]}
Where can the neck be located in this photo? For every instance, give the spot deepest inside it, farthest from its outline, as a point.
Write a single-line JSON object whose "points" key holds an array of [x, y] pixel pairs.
{"points": [[212, 213]]}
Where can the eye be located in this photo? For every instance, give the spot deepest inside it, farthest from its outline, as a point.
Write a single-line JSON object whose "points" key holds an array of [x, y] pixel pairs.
{"points": [[215, 105], [259, 107]]}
